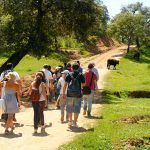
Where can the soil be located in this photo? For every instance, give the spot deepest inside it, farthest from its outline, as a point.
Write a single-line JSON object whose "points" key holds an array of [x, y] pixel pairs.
{"points": [[134, 119], [57, 134], [134, 143]]}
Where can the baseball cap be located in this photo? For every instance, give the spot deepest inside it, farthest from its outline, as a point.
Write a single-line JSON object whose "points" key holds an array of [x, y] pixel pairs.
{"points": [[65, 72]]}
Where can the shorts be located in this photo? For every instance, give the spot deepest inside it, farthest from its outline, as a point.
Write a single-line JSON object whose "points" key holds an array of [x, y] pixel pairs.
{"points": [[73, 105]]}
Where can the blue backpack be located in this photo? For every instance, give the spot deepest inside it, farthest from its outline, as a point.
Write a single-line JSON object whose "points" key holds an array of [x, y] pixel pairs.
{"points": [[74, 87]]}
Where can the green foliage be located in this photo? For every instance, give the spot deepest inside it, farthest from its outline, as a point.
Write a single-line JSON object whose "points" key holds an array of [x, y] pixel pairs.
{"points": [[131, 25], [69, 43], [35, 26], [132, 75]]}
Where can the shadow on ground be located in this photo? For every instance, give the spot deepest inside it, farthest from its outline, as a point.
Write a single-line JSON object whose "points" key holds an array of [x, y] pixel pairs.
{"points": [[80, 129], [11, 135]]}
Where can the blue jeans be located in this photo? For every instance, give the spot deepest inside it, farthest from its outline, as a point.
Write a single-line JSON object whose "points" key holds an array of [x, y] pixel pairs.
{"points": [[73, 105], [87, 101]]}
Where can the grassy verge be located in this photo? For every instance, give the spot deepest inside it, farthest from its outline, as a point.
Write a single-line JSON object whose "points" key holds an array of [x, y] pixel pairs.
{"points": [[119, 127], [29, 64]]}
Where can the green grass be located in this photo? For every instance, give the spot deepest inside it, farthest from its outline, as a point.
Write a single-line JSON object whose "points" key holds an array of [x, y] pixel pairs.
{"points": [[29, 64], [109, 134], [131, 75]]}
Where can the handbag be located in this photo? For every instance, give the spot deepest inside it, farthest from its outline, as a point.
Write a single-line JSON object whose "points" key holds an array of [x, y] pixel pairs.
{"points": [[2, 106], [86, 90], [35, 95]]}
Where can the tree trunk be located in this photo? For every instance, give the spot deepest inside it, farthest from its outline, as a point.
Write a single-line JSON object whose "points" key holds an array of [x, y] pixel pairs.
{"points": [[137, 43], [129, 42], [14, 59]]}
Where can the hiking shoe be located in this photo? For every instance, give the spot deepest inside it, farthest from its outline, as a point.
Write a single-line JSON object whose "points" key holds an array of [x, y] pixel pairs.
{"points": [[75, 125]]}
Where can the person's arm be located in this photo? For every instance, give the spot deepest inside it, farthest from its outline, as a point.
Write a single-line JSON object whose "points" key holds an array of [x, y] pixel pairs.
{"points": [[64, 89], [95, 85], [18, 94], [47, 89], [30, 89]]}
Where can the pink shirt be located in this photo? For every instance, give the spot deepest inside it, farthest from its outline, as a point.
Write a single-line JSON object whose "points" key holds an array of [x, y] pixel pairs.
{"points": [[88, 76]]}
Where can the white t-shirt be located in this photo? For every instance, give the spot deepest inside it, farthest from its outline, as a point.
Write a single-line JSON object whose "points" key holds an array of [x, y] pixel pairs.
{"points": [[61, 81], [48, 75], [96, 72], [42, 97]]}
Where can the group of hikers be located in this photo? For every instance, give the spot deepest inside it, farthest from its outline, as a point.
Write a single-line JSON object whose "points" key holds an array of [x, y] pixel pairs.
{"points": [[68, 85]]}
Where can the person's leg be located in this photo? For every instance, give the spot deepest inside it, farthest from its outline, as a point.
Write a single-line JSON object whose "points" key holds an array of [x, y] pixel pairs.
{"points": [[84, 104], [76, 115], [69, 108], [89, 101], [62, 108], [36, 115], [9, 123], [76, 110], [41, 109], [58, 102]]}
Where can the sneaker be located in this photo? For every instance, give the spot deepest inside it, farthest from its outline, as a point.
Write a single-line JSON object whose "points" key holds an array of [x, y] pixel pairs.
{"points": [[75, 125]]}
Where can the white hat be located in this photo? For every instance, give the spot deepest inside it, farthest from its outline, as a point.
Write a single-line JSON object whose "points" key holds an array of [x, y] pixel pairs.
{"points": [[65, 72]]}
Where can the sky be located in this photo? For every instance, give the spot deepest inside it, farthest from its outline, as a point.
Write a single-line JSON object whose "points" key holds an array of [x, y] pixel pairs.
{"points": [[114, 6]]}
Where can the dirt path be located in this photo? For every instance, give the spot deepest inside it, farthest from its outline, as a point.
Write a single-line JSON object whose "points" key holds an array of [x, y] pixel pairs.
{"points": [[58, 134]]}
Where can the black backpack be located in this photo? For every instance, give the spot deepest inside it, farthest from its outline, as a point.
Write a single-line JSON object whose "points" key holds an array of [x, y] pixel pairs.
{"points": [[74, 87]]}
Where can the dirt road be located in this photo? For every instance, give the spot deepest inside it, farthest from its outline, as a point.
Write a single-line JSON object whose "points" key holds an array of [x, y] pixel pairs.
{"points": [[58, 134]]}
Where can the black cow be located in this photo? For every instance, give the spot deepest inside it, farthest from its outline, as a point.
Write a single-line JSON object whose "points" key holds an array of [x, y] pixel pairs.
{"points": [[112, 62]]}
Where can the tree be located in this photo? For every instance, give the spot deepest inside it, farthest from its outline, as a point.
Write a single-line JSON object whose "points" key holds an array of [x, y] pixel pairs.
{"points": [[34, 26], [130, 25], [142, 15]]}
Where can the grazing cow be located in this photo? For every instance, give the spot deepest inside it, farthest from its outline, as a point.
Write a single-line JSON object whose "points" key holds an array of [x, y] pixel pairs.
{"points": [[112, 62]]}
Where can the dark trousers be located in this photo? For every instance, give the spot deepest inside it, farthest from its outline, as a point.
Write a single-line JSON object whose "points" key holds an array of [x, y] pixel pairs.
{"points": [[38, 108]]}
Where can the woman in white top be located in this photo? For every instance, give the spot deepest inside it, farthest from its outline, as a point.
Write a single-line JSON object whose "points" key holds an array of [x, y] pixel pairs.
{"points": [[62, 102], [38, 106]]}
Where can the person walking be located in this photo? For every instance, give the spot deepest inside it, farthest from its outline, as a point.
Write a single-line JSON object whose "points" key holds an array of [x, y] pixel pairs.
{"points": [[91, 84], [62, 99], [73, 83], [12, 99], [48, 77], [8, 69], [37, 94]]}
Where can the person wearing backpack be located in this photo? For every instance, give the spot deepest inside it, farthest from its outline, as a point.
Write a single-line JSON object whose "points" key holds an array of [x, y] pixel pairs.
{"points": [[73, 83], [37, 94], [88, 90]]}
